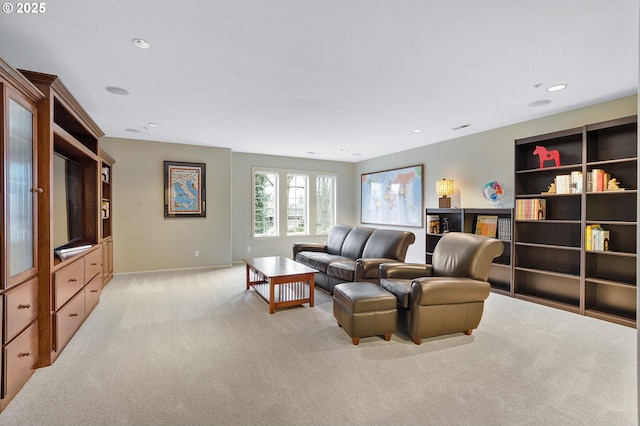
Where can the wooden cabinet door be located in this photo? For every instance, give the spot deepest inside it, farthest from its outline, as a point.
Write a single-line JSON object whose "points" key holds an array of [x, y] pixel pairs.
{"points": [[19, 192]]}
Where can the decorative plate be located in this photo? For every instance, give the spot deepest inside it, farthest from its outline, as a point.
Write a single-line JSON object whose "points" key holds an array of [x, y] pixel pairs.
{"points": [[493, 192]]}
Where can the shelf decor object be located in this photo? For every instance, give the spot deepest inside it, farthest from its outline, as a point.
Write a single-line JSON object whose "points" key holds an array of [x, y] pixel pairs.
{"points": [[393, 197], [444, 187], [547, 155], [184, 189], [493, 192]]}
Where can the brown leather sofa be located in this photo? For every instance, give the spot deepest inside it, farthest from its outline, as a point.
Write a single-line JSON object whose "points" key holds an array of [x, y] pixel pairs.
{"points": [[448, 295], [353, 254]]}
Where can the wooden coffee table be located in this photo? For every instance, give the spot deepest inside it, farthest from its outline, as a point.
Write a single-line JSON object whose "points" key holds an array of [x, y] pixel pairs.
{"points": [[280, 281]]}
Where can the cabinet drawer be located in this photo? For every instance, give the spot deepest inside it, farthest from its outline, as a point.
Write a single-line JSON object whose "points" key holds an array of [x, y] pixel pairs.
{"points": [[20, 357], [68, 320], [21, 308], [92, 294], [92, 265], [68, 281]]}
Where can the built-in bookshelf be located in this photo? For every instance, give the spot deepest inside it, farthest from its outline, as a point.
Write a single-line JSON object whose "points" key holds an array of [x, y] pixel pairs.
{"points": [[495, 222], [580, 255]]}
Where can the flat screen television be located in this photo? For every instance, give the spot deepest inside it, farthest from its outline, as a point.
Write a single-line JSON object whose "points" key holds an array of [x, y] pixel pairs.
{"points": [[67, 203]]}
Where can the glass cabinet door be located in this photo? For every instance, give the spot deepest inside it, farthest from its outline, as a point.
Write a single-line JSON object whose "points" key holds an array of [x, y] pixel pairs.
{"points": [[19, 189]]}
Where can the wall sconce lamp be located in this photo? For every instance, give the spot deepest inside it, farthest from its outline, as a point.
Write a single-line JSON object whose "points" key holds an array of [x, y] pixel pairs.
{"points": [[444, 187]]}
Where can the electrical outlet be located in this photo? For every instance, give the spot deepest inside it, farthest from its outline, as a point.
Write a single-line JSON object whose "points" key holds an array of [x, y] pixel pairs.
{"points": [[197, 253], [248, 249]]}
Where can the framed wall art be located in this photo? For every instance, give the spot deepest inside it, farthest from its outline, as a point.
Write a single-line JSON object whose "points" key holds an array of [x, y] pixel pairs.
{"points": [[393, 197], [184, 189]]}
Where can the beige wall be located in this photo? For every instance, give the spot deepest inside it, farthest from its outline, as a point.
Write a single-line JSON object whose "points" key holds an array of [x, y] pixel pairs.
{"points": [[473, 160], [143, 239]]}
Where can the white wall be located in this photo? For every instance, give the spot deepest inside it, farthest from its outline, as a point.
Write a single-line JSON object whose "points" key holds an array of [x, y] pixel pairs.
{"points": [[471, 161]]}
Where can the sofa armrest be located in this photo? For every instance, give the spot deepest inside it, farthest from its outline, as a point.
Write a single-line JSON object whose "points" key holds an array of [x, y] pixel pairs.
{"points": [[298, 247], [447, 290], [369, 267], [406, 271]]}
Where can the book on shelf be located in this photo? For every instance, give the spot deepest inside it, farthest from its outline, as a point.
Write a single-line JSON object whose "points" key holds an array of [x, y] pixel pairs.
{"points": [[569, 184], [531, 209], [596, 238], [598, 180], [487, 225], [504, 228], [433, 224]]}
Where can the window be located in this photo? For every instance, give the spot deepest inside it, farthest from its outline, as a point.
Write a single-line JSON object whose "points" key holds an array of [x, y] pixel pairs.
{"points": [[265, 209], [325, 203], [297, 204], [308, 206]]}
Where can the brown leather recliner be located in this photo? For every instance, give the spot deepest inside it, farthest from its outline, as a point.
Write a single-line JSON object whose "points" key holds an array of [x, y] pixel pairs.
{"points": [[448, 295]]}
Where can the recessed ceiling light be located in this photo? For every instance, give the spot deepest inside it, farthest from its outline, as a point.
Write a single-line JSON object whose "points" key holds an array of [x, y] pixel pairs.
{"points": [[116, 90], [540, 103], [152, 124], [141, 43], [418, 130], [313, 153], [132, 130], [557, 87]]}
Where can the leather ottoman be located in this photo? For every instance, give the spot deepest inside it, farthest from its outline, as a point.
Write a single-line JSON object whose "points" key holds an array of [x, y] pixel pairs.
{"points": [[365, 309]]}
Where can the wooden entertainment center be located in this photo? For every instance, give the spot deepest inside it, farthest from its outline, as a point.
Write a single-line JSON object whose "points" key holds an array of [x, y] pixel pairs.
{"points": [[56, 241]]}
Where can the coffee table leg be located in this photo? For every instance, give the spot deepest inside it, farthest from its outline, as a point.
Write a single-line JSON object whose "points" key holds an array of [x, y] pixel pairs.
{"points": [[248, 276], [311, 290], [272, 305]]}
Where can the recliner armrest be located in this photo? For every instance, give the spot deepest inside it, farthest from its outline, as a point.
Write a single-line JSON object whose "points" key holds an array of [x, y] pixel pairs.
{"points": [[298, 247], [368, 267], [447, 290], [406, 271]]}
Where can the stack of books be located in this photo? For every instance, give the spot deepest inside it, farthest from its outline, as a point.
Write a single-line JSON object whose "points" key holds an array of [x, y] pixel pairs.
{"points": [[531, 209]]}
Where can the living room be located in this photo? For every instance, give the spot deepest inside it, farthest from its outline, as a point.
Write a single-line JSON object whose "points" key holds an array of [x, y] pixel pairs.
{"points": [[177, 339]]}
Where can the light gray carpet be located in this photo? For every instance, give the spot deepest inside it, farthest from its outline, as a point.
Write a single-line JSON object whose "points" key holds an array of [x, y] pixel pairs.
{"points": [[195, 348]]}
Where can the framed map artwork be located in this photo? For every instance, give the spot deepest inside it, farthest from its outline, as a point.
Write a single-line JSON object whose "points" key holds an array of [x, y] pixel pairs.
{"points": [[393, 197], [184, 189]]}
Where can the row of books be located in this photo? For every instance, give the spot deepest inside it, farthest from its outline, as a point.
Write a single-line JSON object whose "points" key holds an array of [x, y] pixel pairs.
{"points": [[504, 228], [489, 225], [531, 209], [596, 238], [598, 180], [569, 184]]}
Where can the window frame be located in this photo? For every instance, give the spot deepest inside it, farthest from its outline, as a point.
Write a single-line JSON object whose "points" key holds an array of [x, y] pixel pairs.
{"points": [[281, 219]]}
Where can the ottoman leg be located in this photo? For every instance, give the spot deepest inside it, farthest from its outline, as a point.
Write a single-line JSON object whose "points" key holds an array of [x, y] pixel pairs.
{"points": [[387, 336], [355, 340]]}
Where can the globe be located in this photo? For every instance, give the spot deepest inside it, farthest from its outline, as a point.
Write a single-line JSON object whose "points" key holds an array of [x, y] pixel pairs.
{"points": [[493, 192]]}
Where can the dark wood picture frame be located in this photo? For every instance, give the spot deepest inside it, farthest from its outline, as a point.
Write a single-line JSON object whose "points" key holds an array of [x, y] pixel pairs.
{"points": [[184, 189]]}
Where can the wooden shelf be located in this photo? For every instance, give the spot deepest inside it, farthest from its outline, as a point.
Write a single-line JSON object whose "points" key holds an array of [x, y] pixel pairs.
{"points": [[552, 266], [464, 220]]}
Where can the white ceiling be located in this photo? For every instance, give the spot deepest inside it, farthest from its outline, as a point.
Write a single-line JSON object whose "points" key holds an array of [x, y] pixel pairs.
{"points": [[346, 79]]}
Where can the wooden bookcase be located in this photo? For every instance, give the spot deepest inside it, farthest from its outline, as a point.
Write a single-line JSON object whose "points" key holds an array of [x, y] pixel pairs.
{"points": [[106, 214], [551, 263], [465, 220]]}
